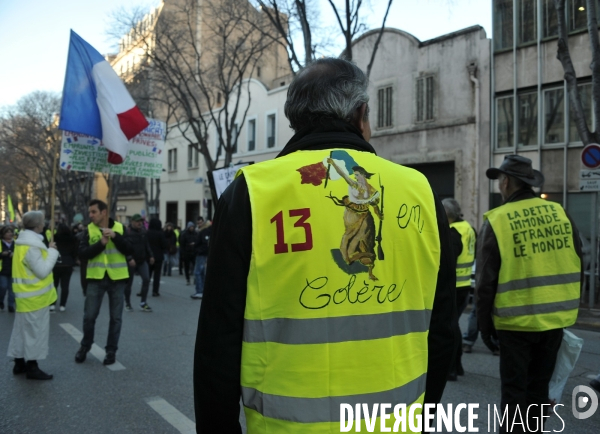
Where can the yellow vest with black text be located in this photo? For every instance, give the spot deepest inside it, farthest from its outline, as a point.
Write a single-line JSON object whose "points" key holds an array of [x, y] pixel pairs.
{"points": [[464, 262], [318, 332], [31, 292], [539, 280], [110, 261]]}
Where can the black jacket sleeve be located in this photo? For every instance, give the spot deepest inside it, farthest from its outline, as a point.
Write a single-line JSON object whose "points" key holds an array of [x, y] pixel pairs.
{"points": [[87, 251], [218, 353], [441, 340]]}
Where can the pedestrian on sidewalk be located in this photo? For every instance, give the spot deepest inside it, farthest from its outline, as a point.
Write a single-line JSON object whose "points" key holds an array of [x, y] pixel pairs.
{"points": [[171, 255], [187, 245], [139, 262], [104, 250], [159, 247], [462, 236], [68, 246], [528, 284], [34, 293], [202, 243], [8, 250]]}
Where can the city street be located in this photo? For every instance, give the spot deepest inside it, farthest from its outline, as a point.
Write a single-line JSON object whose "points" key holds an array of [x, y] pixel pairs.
{"points": [[149, 389]]}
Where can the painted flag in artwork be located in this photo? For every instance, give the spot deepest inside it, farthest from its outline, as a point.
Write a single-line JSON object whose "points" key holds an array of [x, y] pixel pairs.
{"points": [[316, 173], [95, 101]]}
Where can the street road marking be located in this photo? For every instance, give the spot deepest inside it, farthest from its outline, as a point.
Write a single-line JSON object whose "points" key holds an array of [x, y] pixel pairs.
{"points": [[96, 351], [172, 415]]}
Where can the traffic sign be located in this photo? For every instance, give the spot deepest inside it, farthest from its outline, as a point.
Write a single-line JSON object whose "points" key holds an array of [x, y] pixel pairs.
{"points": [[589, 185], [589, 174], [590, 156]]}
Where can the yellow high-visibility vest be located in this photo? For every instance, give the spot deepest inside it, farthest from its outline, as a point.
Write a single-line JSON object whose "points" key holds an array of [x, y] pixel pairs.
{"points": [[539, 280], [464, 262], [31, 292], [176, 237], [317, 330], [110, 261]]}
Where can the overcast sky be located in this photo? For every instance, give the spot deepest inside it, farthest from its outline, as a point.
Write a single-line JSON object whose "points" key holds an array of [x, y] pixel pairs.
{"points": [[34, 34]]}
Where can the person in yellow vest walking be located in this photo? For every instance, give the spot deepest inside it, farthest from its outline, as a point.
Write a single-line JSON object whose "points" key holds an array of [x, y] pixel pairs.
{"points": [[105, 249], [528, 284], [293, 318], [33, 286], [462, 239]]}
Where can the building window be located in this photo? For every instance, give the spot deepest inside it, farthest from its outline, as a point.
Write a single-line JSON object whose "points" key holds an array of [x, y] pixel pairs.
{"points": [[503, 24], [251, 134], [527, 21], [585, 94], [384, 107], [172, 160], [425, 99], [192, 157], [577, 14], [554, 116], [528, 122], [550, 24], [271, 131], [504, 122]]}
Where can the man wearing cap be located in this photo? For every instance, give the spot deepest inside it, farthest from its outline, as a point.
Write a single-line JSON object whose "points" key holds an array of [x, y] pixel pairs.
{"points": [[138, 261], [528, 284]]}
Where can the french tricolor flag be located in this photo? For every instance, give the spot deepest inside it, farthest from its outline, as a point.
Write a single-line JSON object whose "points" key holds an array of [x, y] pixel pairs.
{"points": [[95, 101]]}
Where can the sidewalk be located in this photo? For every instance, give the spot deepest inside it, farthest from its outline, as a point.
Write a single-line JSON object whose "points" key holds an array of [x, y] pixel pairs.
{"points": [[588, 319]]}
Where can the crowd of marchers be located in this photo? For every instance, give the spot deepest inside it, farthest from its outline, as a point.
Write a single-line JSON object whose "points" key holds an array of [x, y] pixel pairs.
{"points": [[36, 265]]}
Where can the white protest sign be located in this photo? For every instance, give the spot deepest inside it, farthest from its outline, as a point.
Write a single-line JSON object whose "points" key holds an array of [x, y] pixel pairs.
{"points": [[223, 177], [86, 154]]}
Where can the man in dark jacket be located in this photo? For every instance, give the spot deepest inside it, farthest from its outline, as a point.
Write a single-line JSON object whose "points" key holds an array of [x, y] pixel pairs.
{"points": [[526, 287], [138, 261], [187, 245], [339, 89], [103, 248]]}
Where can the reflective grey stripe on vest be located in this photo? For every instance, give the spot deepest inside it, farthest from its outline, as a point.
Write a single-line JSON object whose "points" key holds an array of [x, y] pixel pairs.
{"points": [[467, 265], [111, 251], [336, 329], [30, 294], [463, 278], [532, 282], [314, 410], [103, 265], [18, 281], [534, 309]]}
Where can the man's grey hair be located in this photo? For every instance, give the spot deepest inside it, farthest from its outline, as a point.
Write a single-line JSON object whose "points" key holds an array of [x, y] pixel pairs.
{"points": [[452, 208], [327, 88], [33, 219]]}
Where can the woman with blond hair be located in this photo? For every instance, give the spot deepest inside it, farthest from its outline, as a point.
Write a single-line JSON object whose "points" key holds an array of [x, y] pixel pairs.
{"points": [[34, 291]]}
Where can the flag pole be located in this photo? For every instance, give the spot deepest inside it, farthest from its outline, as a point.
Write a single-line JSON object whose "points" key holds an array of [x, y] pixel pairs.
{"points": [[53, 197]]}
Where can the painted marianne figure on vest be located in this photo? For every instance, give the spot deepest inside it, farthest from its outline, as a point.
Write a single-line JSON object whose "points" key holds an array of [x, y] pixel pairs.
{"points": [[358, 241]]}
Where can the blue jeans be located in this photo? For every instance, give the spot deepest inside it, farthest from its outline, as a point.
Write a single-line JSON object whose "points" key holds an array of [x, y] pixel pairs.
{"points": [[144, 272], [200, 273], [93, 301], [6, 285]]}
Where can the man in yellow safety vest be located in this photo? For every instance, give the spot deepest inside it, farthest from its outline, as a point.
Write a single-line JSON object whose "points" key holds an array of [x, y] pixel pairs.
{"points": [[329, 276], [528, 282], [105, 249]]}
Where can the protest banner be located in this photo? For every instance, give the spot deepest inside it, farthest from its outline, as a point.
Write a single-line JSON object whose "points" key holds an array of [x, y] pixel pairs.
{"points": [[86, 154]]}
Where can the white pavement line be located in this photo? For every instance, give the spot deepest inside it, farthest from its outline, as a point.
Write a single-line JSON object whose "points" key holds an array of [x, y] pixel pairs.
{"points": [[172, 415], [95, 351]]}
